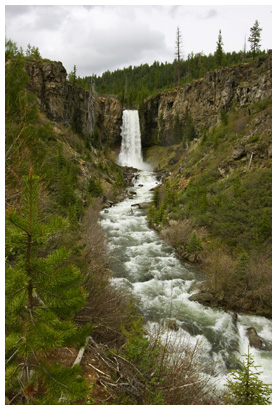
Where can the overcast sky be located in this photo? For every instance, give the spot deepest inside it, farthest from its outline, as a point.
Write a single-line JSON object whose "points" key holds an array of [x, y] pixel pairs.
{"points": [[100, 38]]}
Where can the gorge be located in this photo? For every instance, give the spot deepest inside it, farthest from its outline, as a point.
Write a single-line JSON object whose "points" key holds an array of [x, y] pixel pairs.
{"points": [[240, 86], [165, 210], [146, 267]]}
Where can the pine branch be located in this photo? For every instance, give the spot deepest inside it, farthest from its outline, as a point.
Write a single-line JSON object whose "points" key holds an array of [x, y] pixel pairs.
{"points": [[18, 226]]}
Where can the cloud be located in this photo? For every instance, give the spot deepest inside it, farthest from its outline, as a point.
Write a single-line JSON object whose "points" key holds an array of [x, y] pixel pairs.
{"points": [[107, 38], [98, 38], [14, 11], [212, 13]]}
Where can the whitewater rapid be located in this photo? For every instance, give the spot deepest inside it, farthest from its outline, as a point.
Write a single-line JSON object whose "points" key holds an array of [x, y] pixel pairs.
{"points": [[148, 268]]}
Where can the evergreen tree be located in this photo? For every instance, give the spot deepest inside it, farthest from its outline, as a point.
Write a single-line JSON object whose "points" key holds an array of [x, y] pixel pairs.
{"points": [[255, 38], [189, 131], [43, 292], [178, 54], [219, 54], [32, 51], [177, 130], [72, 77], [245, 387]]}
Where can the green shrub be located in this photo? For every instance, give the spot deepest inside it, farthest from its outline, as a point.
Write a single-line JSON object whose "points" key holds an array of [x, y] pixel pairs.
{"points": [[94, 187], [245, 387], [194, 245]]}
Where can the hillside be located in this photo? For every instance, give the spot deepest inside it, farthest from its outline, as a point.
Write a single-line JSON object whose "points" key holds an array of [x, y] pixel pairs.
{"points": [[214, 208], [57, 271], [133, 84]]}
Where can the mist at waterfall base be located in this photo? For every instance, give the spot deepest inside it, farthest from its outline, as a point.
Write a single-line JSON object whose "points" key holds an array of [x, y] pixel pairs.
{"points": [[130, 154], [146, 267]]}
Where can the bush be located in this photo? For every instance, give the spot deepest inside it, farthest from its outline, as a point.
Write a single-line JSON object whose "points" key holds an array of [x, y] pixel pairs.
{"points": [[94, 187], [245, 387], [194, 244]]}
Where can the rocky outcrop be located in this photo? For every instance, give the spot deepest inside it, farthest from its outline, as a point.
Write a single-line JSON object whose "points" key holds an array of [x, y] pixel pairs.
{"points": [[204, 99], [64, 102]]}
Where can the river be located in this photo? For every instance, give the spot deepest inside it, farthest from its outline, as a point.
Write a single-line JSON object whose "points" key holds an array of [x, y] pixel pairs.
{"points": [[144, 265]]}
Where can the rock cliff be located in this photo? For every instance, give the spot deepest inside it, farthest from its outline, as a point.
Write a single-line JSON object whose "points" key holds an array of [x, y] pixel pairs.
{"points": [[69, 104], [204, 99]]}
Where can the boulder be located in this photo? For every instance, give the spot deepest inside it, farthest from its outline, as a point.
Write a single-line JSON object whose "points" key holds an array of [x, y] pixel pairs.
{"points": [[239, 152], [142, 205], [202, 297], [254, 338]]}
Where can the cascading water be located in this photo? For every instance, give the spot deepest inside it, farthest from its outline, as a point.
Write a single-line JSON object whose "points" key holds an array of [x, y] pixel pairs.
{"points": [[148, 268], [130, 154]]}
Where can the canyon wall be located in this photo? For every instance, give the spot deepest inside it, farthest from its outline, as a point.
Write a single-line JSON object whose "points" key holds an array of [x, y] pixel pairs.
{"points": [[64, 102], [204, 99]]}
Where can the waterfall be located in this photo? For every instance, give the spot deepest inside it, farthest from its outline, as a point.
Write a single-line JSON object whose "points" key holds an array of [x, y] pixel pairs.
{"points": [[130, 154]]}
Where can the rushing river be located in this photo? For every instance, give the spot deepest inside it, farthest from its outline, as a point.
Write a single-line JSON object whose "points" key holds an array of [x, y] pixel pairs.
{"points": [[148, 268]]}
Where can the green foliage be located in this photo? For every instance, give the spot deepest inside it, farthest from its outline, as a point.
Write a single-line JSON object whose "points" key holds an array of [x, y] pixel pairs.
{"points": [[94, 187], [255, 38], [224, 117], [177, 130], [170, 194], [66, 386], [194, 244], [145, 356], [32, 51], [156, 198], [157, 216], [96, 139], [158, 210], [11, 49], [146, 80], [245, 387], [16, 98], [43, 293], [237, 209], [219, 54], [241, 268], [189, 131], [137, 345]]}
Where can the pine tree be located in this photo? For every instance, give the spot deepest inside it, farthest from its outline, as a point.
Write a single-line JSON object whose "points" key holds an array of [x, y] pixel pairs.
{"points": [[178, 54], [43, 292], [189, 131], [219, 54], [177, 129], [255, 38], [245, 387]]}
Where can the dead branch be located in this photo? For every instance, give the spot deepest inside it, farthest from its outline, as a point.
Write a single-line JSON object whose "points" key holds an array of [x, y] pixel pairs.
{"points": [[100, 371], [128, 379]]}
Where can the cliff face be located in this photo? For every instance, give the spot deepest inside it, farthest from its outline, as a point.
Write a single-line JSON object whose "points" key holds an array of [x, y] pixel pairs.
{"points": [[204, 99], [69, 104]]}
